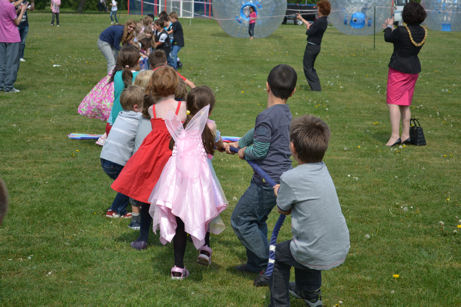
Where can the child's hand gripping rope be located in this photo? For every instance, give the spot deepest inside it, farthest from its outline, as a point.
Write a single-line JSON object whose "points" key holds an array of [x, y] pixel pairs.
{"points": [[278, 224]]}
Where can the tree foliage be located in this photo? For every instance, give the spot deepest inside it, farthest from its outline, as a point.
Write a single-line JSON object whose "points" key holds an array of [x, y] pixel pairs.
{"points": [[79, 5]]}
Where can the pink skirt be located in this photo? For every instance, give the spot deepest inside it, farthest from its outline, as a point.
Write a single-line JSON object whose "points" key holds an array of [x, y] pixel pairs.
{"points": [[400, 87]]}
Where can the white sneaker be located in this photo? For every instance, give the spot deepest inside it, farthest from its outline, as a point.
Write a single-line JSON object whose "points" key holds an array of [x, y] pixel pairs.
{"points": [[22, 59], [13, 90], [101, 140]]}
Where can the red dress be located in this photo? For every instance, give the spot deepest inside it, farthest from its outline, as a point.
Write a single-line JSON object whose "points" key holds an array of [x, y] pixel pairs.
{"points": [[141, 172]]}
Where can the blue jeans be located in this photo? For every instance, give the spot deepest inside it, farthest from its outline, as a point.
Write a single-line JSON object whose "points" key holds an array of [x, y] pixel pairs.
{"points": [[53, 15], [113, 15], [308, 281], [9, 65], [121, 201], [251, 29], [173, 58], [249, 223], [23, 30]]}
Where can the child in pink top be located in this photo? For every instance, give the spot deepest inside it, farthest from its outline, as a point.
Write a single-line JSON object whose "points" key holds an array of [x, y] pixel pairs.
{"points": [[55, 4], [251, 27]]}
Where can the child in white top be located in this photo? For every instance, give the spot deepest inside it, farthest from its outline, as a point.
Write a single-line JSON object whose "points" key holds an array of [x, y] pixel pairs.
{"points": [[113, 12]]}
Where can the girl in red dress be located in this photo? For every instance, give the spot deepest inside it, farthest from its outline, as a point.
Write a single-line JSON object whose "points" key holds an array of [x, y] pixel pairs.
{"points": [[142, 171]]}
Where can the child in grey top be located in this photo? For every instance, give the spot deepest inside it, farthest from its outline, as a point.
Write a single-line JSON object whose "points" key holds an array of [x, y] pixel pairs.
{"points": [[119, 145], [320, 234]]}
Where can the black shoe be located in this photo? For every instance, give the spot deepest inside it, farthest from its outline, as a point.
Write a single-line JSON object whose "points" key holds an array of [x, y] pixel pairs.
{"points": [[406, 142], [179, 64], [398, 142], [312, 299], [262, 280]]}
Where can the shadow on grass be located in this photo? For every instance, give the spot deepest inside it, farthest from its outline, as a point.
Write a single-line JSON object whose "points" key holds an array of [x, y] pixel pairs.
{"points": [[163, 261], [380, 136]]}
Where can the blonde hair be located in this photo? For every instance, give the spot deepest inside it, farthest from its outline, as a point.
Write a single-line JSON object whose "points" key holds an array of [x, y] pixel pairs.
{"points": [[131, 96], [127, 37], [173, 15], [143, 78], [147, 20]]}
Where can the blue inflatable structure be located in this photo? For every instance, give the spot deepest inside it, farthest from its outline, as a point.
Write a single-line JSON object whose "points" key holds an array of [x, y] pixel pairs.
{"points": [[233, 16]]}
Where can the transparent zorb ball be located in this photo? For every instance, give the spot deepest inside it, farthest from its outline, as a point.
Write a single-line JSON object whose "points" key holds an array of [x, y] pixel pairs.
{"points": [[233, 16], [359, 17], [443, 15]]}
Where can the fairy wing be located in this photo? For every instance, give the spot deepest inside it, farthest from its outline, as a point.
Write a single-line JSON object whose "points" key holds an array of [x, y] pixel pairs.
{"points": [[188, 142], [193, 128], [174, 126], [198, 122]]}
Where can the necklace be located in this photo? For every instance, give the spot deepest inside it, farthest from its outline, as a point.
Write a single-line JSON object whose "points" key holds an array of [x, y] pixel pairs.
{"points": [[411, 37]]}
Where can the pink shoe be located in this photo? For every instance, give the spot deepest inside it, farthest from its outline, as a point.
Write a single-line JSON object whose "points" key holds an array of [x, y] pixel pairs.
{"points": [[178, 273], [204, 256]]}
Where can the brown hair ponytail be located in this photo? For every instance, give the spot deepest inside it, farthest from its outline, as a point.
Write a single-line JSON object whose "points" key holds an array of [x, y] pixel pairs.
{"points": [[127, 59]]}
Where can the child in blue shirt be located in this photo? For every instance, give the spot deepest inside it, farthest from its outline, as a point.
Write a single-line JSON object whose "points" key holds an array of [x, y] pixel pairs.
{"points": [[320, 235], [268, 146]]}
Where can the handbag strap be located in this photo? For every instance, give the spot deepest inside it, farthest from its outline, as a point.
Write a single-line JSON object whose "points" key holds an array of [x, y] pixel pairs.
{"points": [[415, 122]]}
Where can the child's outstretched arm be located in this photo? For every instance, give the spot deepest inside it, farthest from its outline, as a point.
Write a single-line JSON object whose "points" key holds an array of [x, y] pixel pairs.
{"points": [[189, 83], [244, 141], [259, 145], [285, 197]]}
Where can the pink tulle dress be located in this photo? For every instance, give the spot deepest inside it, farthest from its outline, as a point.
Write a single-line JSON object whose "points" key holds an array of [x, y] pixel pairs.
{"points": [[188, 187]]}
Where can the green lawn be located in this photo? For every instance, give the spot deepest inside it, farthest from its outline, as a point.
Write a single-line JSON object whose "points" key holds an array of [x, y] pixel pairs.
{"points": [[57, 248]]}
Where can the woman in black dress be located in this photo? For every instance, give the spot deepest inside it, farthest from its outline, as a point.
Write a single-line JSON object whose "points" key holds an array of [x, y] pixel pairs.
{"points": [[314, 34], [404, 68]]}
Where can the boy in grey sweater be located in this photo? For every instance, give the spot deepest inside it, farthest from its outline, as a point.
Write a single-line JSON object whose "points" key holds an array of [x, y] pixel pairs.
{"points": [[119, 146], [320, 235]]}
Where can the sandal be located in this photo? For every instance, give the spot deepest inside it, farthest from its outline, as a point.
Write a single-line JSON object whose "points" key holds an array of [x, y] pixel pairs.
{"points": [[204, 256], [178, 273]]}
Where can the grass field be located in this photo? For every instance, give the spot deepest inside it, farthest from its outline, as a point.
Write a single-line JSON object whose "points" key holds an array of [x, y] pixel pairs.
{"points": [[402, 205]]}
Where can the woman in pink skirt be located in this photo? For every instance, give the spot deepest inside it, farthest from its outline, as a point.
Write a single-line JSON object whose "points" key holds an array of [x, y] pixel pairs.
{"points": [[404, 68]]}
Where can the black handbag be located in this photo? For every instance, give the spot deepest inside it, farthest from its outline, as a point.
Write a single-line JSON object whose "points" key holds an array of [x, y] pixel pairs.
{"points": [[416, 133]]}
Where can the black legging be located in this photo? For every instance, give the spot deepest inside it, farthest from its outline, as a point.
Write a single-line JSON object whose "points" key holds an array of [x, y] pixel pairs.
{"points": [[180, 242], [146, 222]]}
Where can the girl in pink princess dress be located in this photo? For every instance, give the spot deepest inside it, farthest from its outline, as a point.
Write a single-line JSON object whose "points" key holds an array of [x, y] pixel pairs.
{"points": [[188, 197]]}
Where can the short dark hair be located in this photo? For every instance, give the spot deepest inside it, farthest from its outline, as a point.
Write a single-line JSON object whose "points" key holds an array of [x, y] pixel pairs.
{"points": [[282, 81], [157, 58], [413, 13], [324, 7], [310, 136]]}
